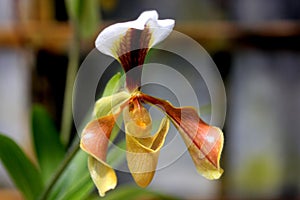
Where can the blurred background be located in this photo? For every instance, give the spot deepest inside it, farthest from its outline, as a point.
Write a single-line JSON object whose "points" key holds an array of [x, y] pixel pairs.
{"points": [[255, 45]]}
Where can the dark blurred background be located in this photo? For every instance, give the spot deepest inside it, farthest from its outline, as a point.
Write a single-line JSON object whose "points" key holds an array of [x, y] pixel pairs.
{"points": [[255, 45]]}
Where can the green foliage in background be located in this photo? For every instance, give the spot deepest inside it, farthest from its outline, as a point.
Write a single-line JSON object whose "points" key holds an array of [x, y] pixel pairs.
{"points": [[31, 180], [73, 183], [25, 175], [85, 15], [46, 140]]}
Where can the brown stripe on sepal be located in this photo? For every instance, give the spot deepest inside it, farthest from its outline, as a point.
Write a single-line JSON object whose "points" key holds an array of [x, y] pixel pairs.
{"points": [[132, 52]]}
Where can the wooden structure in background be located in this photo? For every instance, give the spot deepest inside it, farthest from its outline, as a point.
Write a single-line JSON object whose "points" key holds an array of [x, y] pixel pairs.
{"points": [[55, 36], [36, 27]]}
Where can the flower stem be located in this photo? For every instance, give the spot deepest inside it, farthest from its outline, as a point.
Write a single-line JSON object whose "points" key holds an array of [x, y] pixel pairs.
{"points": [[74, 53], [70, 155]]}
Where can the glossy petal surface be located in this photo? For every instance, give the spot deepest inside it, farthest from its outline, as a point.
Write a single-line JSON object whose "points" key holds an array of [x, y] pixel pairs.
{"points": [[94, 141], [142, 154], [129, 43], [102, 174], [112, 38], [204, 142], [142, 147], [110, 104]]}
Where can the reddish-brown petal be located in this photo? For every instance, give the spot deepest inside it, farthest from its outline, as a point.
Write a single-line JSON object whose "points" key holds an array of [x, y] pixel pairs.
{"points": [[205, 142], [94, 141], [95, 136]]}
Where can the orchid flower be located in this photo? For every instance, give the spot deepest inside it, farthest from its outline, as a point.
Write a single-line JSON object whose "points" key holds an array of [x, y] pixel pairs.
{"points": [[129, 43]]}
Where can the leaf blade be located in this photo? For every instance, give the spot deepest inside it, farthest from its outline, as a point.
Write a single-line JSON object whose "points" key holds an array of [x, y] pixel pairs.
{"points": [[50, 151], [80, 190], [112, 85], [134, 192], [85, 14], [68, 182], [22, 171]]}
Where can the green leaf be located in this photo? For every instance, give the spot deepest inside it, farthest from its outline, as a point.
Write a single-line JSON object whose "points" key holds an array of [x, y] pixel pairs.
{"points": [[113, 85], [75, 183], [110, 98], [133, 192], [80, 189], [85, 14], [24, 174], [50, 152], [74, 8]]}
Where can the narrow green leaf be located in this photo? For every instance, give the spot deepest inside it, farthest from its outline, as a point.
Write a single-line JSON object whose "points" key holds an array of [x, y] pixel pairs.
{"points": [[73, 8], [85, 14], [48, 147], [75, 182], [133, 192], [113, 85], [80, 189], [24, 174], [90, 17]]}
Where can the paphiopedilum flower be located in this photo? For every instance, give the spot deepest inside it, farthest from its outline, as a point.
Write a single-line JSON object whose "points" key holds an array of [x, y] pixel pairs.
{"points": [[129, 43]]}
